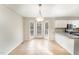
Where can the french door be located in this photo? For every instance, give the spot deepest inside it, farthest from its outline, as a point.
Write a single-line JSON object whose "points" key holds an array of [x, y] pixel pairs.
{"points": [[39, 29]]}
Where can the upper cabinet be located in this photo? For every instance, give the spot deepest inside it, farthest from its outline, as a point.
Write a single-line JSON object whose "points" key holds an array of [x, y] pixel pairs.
{"points": [[61, 23], [75, 22]]}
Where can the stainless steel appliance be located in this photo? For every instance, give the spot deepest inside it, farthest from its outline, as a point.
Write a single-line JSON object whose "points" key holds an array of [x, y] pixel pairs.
{"points": [[71, 32], [70, 28]]}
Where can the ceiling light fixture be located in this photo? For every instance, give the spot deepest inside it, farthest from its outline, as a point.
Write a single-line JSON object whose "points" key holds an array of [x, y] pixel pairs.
{"points": [[40, 17]]}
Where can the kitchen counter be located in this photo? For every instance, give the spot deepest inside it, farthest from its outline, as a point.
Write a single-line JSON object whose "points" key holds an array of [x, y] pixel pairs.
{"points": [[67, 41], [62, 32]]}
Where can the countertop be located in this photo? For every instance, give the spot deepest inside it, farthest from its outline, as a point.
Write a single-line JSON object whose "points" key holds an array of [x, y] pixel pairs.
{"points": [[62, 32]]}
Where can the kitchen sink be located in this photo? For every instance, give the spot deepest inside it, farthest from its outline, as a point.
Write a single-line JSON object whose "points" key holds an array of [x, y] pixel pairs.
{"points": [[75, 33]]}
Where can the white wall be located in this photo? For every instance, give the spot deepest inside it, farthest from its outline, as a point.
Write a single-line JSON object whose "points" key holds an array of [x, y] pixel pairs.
{"points": [[26, 27], [11, 34]]}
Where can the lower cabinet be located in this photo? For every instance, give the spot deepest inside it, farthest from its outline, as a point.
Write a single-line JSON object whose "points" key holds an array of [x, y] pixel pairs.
{"points": [[65, 42]]}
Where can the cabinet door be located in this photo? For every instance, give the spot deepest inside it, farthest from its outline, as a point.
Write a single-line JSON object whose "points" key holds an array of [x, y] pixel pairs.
{"points": [[65, 42], [61, 23], [75, 22]]}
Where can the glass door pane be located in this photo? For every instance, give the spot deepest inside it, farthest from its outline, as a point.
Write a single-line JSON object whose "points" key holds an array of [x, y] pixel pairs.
{"points": [[32, 28], [39, 29]]}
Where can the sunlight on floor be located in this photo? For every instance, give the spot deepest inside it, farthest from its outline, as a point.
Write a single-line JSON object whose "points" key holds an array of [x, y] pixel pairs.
{"points": [[39, 47]]}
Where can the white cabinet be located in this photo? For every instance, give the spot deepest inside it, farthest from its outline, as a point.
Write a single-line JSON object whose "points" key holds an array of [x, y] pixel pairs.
{"points": [[65, 42], [75, 22], [61, 23]]}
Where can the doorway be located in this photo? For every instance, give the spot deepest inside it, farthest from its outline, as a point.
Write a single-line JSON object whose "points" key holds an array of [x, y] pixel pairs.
{"points": [[39, 30]]}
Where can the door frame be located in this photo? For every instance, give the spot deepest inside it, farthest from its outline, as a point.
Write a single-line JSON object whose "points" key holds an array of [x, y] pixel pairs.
{"points": [[46, 36]]}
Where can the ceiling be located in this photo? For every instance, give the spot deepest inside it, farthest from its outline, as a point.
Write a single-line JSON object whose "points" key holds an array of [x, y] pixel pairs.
{"points": [[48, 10]]}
